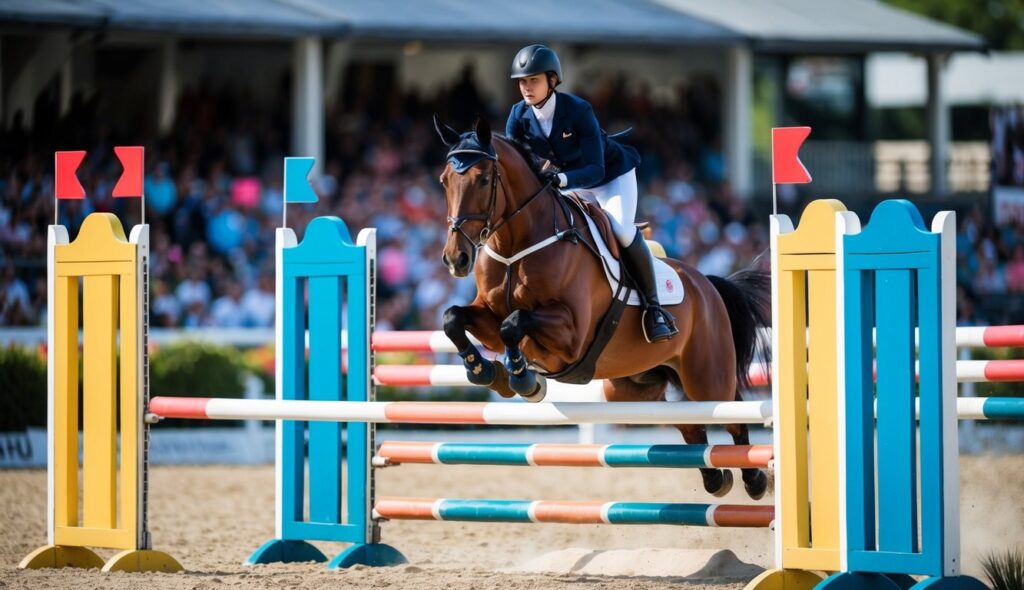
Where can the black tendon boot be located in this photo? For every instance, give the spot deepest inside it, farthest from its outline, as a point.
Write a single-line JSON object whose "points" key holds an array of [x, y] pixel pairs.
{"points": [[658, 324]]}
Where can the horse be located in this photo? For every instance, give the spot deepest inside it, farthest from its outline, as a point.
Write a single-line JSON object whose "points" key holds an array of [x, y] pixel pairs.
{"points": [[544, 301]]}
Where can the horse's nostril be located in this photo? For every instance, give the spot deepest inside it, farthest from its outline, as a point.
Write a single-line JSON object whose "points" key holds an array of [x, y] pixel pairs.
{"points": [[463, 260], [444, 259]]}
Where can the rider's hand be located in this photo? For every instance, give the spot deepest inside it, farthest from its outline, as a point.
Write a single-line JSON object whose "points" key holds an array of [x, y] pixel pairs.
{"points": [[556, 179]]}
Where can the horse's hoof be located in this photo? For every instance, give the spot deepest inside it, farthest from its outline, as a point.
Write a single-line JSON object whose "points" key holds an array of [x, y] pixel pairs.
{"points": [[724, 485], [525, 383], [539, 393], [757, 488], [500, 384]]}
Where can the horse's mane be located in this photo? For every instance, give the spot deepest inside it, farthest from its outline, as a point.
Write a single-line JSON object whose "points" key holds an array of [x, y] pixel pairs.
{"points": [[532, 160]]}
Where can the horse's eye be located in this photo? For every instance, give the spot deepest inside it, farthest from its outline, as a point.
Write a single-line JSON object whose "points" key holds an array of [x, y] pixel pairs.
{"points": [[484, 179]]}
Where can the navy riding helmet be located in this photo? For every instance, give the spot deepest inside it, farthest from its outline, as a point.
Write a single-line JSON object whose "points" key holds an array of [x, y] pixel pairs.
{"points": [[536, 59]]}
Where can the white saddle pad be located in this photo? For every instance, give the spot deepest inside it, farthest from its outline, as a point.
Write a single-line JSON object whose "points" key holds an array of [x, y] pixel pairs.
{"points": [[670, 286]]}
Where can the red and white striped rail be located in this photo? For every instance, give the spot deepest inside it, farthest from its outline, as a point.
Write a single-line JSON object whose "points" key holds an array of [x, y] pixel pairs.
{"points": [[998, 371], [437, 341], [510, 414], [515, 414], [414, 341]]}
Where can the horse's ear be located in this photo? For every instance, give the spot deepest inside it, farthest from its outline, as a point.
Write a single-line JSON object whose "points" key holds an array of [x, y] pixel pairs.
{"points": [[483, 131], [448, 135]]}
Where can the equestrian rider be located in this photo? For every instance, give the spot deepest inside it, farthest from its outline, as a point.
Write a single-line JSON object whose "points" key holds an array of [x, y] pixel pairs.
{"points": [[563, 129]]}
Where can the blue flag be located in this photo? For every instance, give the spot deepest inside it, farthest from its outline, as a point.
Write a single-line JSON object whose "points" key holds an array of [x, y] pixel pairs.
{"points": [[296, 180]]}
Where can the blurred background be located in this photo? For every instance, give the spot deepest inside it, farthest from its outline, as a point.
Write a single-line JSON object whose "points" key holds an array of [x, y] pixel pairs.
{"points": [[912, 98], [920, 99]]}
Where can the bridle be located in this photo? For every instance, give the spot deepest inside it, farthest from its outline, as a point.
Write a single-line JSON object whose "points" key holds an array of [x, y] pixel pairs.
{"points": [[490, 228], [455, 223], [570, 234]]}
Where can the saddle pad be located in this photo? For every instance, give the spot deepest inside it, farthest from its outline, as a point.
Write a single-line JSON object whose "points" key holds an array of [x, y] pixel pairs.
{"points": [[670, 286]]}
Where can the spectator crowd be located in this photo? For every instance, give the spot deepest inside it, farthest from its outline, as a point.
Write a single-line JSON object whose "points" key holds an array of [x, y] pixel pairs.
{"points": [[214, 197]]}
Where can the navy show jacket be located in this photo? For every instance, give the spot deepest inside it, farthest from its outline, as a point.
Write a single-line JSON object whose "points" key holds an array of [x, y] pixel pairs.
{"points": [[577, 144]]}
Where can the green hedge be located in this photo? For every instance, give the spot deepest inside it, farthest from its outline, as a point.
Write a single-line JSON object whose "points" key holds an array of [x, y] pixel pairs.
{"points": [[197, 369], [182, 369], [23, 387]]}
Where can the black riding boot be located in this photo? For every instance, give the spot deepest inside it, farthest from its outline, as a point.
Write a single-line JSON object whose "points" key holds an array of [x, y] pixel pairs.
{"points": [[658, 324]]}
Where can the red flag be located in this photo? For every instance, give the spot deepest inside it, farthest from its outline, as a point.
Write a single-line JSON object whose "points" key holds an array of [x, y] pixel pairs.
{"points": [[130, 183], [65, 182], [786, 165]]}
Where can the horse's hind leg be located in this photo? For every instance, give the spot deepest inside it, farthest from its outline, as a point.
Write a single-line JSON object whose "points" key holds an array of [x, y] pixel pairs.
{"points": [[717, 482], [707, 373], [755, 481], [650, 386]]}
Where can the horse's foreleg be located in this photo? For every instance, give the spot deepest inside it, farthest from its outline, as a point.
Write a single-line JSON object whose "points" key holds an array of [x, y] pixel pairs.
{"points": [[552, 329], [521, 379], [482, 323]]}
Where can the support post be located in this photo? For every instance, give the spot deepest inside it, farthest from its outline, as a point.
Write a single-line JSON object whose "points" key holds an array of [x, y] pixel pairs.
{"points": [[338, 56], [167, 110], [737, 119], [938, 125], [307, 101]]}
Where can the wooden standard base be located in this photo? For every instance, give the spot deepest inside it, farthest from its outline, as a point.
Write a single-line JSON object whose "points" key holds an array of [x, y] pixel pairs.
{"points": [[785, 580], [131, 560]]}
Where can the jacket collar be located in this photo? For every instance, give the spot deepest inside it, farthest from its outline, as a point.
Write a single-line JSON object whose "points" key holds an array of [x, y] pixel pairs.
{"points": [[561, 112], [551, 106]]}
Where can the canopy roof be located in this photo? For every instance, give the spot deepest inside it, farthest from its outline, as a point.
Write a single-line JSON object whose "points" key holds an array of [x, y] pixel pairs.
{"points": [[801, 26]]}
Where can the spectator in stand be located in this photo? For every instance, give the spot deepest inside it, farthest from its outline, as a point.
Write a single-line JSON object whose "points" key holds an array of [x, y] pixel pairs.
{"points": [[260, 304], [227, 310], [194, 290], [15, 308], [165, 308], [161, 192], [1015, 270]]}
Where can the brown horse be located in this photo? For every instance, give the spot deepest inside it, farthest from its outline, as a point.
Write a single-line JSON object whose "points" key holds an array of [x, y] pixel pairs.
{"points": [[545, 307]]}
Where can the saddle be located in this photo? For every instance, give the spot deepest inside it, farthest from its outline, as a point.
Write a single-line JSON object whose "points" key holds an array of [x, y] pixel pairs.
{"points": [[600, 218], [604, 226]]}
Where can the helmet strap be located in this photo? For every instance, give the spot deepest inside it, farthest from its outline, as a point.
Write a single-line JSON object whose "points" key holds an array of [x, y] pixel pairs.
{"points": [[551, 92]]}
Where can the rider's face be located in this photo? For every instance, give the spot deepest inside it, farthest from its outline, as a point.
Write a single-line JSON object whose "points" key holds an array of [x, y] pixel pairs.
{"points": [[534, 88]]}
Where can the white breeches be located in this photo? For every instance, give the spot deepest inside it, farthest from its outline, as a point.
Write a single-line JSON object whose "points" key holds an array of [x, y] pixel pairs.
{"points": [[618, 198]]}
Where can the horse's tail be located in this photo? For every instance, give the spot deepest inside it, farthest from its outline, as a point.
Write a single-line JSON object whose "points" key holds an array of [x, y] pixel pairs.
{"points": [[747, 297]]}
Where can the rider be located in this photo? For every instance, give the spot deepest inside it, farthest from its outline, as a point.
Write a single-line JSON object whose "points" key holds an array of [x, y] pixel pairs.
{"points": [[562, 129]]}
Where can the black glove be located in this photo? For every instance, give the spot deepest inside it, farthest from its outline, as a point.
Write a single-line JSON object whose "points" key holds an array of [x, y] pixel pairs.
{"points": [[552, 177]]}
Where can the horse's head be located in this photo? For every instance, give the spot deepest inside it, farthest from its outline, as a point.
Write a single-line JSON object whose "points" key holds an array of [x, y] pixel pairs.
{"points": [[470, 181]]}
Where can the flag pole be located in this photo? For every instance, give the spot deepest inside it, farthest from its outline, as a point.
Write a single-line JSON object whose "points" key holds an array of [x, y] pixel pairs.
{"points": [[56, 201], [775, 201]]}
